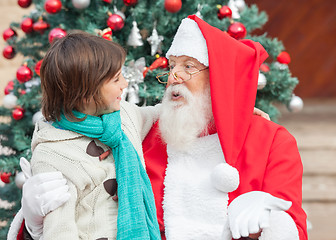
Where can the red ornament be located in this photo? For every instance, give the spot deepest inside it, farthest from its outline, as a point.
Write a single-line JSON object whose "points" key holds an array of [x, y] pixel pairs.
{"points": [[8, 52], [130, 3], [40, 26], [237, 30], [264, 67], [24, 74], [8, 34], [108, 1], [9, 88], [173, 6], [38, 67], [18, 113], [161, 62], [53, 6], [23, 92], [24, 3], [27, 25], [5, 177], [56, 33], [224, 12], [106, 34], [115, 22], [284, 58]]}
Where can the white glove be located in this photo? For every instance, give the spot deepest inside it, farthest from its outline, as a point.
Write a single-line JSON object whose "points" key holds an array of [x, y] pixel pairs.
{"points": [[41, 194], [250, 212]]}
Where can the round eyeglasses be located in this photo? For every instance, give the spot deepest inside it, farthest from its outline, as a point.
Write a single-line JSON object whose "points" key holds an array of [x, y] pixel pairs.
{"points": [[181, 76]]}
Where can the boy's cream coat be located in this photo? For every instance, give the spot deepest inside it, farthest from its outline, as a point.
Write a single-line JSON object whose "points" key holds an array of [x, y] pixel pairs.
{"points": [[91, 213]]}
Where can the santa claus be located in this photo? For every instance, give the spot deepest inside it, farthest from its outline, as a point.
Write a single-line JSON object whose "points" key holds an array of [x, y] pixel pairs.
{"points": [[213, 165], [217, 170]]}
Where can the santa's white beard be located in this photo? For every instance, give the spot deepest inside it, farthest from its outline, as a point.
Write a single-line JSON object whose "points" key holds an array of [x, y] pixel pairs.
{"points": [[181, 122]]}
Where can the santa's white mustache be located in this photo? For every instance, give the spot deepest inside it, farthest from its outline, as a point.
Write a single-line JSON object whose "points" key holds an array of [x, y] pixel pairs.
{"points": [[177, 90]]}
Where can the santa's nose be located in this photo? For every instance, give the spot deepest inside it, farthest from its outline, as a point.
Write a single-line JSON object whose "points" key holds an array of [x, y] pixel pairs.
{"points": [[174, 78]]}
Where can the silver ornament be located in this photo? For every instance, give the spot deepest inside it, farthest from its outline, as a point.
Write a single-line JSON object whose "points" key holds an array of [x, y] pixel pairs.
{"points": [[32, 83], [280, 66], [133, 73], [9, 101], [155, 41], [135, 39], [81, 4], [262, 81], [295, 104], [20, 179], [133, 94], [37, 116]]}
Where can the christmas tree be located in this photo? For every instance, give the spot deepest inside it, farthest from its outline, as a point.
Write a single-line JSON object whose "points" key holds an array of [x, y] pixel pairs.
{"points": [[145, 28]]}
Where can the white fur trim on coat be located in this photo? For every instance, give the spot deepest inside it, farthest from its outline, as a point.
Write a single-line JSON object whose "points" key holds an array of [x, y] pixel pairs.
{"points": [[194, 209]]}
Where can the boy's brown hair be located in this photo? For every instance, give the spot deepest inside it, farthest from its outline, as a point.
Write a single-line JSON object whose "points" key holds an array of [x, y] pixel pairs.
{"points": [[74, 69]]}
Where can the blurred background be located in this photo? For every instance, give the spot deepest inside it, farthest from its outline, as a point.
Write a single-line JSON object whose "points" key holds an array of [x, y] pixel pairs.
{"points": [[307, 29]]}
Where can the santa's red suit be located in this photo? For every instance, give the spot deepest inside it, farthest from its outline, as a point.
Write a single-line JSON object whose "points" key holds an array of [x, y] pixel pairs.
{"points": [[264, 153]]}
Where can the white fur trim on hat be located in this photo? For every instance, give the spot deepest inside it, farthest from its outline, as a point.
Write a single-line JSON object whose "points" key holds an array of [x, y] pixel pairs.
{"points": [[189, 41]]}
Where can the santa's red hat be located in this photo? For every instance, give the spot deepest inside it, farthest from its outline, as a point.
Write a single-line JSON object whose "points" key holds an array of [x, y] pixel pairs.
{"points": [[233, 71]]}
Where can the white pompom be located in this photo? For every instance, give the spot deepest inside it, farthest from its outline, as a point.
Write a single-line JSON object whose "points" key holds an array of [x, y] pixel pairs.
{"points": [[225, 178]]}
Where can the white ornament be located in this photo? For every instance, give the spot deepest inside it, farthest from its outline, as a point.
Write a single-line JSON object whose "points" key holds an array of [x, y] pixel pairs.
{"points": [[225, 178], [240, 4], [19, 179], [9, 101], [199, 9], [295, 104], [120, 13], [81, 4], [135, 39], [37, 116], [262, 81], [155, 41], [234, 9]]}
